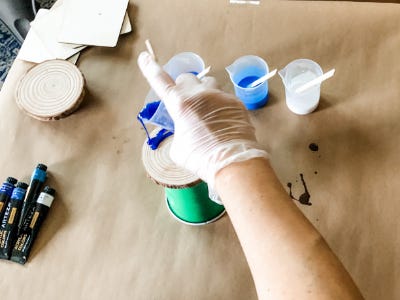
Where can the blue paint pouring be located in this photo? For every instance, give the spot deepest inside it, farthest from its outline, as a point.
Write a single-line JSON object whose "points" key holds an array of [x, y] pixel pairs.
{"points": [[146, 114], [149, 110]]}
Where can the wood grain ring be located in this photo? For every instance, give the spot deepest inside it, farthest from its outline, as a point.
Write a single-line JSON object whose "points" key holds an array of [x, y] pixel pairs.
{"points": [[162, 170], [51, 90]]}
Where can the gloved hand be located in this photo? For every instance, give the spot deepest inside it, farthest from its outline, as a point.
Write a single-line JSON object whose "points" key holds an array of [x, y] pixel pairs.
{"points": [[212, 128]]}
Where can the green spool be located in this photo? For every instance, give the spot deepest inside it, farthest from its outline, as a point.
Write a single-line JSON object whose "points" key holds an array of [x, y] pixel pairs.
{"points": [[186, 195], [192, 205]]}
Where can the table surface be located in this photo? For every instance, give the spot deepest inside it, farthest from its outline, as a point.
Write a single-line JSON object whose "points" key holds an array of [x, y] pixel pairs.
{"points": [[109, 234]]}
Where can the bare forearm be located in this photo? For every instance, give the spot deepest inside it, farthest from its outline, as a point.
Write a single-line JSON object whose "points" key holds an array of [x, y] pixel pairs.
{"points": [[287, 256]]}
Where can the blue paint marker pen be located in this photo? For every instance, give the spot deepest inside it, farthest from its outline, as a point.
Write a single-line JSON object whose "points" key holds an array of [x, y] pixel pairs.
{"points": [[9, 223], [38, 178], [31, 226], [5, 194]]}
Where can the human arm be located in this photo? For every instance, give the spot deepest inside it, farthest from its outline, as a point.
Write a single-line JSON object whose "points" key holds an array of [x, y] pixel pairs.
{"points": [[287, 256], [215, 139]]}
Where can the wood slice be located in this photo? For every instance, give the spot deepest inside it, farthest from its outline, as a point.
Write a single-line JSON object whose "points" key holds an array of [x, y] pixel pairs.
{"points": [[51, 90], [162, 170]]}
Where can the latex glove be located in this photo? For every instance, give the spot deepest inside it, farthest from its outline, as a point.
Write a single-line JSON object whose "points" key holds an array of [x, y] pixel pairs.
{"points": [[212, 128]]}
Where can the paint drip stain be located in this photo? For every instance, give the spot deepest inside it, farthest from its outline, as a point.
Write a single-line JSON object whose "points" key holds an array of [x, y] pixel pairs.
{"points": [[289, 185], [313, 147], [305, 197]]}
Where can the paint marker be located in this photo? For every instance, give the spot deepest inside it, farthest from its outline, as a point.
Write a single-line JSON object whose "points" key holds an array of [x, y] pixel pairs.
{"points": [[9, 223], [5, 194], [31, 226], [37, 180]]}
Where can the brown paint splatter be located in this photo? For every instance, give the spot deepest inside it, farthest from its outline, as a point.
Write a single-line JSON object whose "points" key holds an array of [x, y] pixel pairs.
{"points": [[313, 147], [305, 197]]}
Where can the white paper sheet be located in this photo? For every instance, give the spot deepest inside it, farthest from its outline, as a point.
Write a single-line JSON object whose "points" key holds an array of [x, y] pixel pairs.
{"points": [[33, 49], [92, 22], [126, 25], [47, 29], [74, 58]]}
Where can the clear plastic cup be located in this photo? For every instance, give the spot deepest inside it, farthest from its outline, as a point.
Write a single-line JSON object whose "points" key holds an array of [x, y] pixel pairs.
{"points": [[242, 73], [185, 62], [294, 75], [154, 111]]}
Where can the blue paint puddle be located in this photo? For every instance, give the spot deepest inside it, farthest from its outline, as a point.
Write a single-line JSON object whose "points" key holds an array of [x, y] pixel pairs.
{"points": [[245, 82]]}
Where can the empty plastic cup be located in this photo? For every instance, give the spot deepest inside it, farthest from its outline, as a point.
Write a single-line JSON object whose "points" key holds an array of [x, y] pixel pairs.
{"points": [[185, 62], [154, 111], [296, 74], [242, 73]]}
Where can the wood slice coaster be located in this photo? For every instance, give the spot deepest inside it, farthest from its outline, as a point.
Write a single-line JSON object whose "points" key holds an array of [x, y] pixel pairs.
{"points": [[51, 90], [162, 170]]}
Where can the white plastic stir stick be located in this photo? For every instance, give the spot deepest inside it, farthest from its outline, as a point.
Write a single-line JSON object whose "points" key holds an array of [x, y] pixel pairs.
{"points": [[150, 49], [315, 81], [203, 73], [262, 79]]}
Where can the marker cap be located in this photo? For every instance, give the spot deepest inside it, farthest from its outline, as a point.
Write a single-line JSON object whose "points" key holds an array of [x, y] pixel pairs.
{"points": [[22, 185], [42, 167], [11, 180], [49, 190]]}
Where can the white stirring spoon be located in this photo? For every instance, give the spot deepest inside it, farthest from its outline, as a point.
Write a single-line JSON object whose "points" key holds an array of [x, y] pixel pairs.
{"points": [[203, 73], [315, 81], [262, 79]]}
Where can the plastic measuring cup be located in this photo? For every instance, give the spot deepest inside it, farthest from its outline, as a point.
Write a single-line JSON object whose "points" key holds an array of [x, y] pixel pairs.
{"points": [[242, 73], [296, 74], [185, 62], [154, 110]]}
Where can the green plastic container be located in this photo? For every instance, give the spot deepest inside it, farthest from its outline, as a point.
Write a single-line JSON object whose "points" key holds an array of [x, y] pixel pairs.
{"points": [[192, 205]]}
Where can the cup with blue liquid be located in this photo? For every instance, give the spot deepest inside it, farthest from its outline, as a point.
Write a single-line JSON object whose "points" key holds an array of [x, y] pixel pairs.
{"points": [[243, 73]]}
